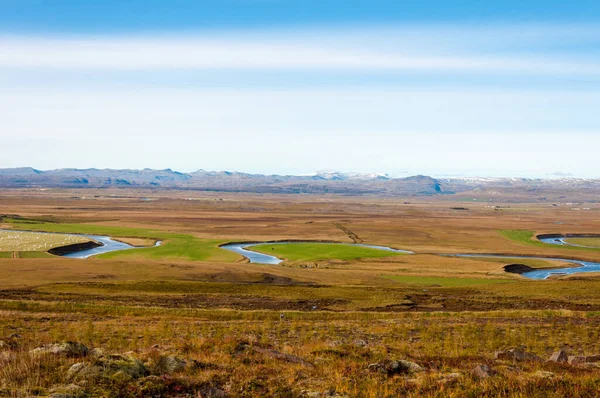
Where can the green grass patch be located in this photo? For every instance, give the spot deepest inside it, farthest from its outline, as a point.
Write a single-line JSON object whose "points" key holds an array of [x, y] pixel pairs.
{"points": [[179, 246], [444, 282], [306, 251], [527, 238], [5, 254]]}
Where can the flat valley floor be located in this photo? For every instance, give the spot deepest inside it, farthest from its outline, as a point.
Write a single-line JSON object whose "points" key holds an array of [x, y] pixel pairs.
{"points": [[188, 318]]}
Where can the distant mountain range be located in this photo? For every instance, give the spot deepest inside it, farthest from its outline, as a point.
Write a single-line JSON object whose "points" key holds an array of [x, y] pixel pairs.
{"points": [[318, 183]]}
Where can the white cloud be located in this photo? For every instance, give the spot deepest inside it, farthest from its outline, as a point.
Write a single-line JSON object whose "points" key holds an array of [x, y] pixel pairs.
{"points": [[97, 119], [299, 131], [334, 51]]}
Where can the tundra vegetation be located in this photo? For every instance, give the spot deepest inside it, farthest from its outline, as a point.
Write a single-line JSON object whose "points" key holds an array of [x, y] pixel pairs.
{"points": [[190, 319]]}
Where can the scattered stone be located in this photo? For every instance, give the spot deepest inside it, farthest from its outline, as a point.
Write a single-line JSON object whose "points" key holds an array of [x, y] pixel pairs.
{"points": [[97, 352], [68, 349], [582, 359], [481, 371], [391, 367], [212, 392], [318, 394], [163, 386], [559, 356], [70, 391], [241, 347], [199, 365], [310, 394], [576, 360], [516, 354], [111, 366], [75, 368], [10, 343], [170, 364], [361, 343]]}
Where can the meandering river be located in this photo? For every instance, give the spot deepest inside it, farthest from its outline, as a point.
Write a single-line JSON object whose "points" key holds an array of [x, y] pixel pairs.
{"points": [[110, 245], [260, 258], [578, 265], [107, 245]]}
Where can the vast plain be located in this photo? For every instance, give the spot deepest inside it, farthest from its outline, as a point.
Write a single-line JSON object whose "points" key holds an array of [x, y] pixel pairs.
{"points": [[189, 318]]}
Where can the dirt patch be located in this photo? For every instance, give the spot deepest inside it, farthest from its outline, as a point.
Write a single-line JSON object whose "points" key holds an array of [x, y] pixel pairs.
{"points": [[281, 280], [77, 247], [239, 302], [350, 234], [465, 302], [137, 242], [518, 268]]}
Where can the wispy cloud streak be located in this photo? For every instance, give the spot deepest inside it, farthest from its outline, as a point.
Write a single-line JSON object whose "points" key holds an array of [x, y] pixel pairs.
{"points": [[259, 53]]}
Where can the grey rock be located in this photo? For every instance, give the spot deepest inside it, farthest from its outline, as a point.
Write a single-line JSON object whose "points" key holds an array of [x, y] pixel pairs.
{"points": [[68, 349], [70, 391], [582, 359], [109, 366], [391, 367], [559, 356], [481, 371], [577, 360], [516, 354], [97, 352], [170, 364]]}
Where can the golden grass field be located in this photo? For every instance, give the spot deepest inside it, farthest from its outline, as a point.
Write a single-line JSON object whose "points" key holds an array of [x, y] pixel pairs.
{"points": [[309, 326], [33, 242]]}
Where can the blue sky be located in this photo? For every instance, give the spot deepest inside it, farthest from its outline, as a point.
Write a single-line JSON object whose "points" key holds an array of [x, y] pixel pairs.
{"points": [[404, 87]]}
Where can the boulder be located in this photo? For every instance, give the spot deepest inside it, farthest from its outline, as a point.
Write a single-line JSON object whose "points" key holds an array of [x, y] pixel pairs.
{"points": [[211, 392], [517, 355], [559, 356], [75, 368], [97, 352], [10, 343], [391, 367], [170, 364], [70, 391], [115, 365], [68, 349], [481, 371], [582, 359], [577, 359]]}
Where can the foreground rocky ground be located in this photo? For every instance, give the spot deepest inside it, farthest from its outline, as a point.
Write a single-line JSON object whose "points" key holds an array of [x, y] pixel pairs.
{"points": [[376, 357]]}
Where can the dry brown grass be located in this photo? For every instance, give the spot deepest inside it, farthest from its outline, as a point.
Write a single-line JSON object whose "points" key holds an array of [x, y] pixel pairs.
{"points": [[203, 310]]}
